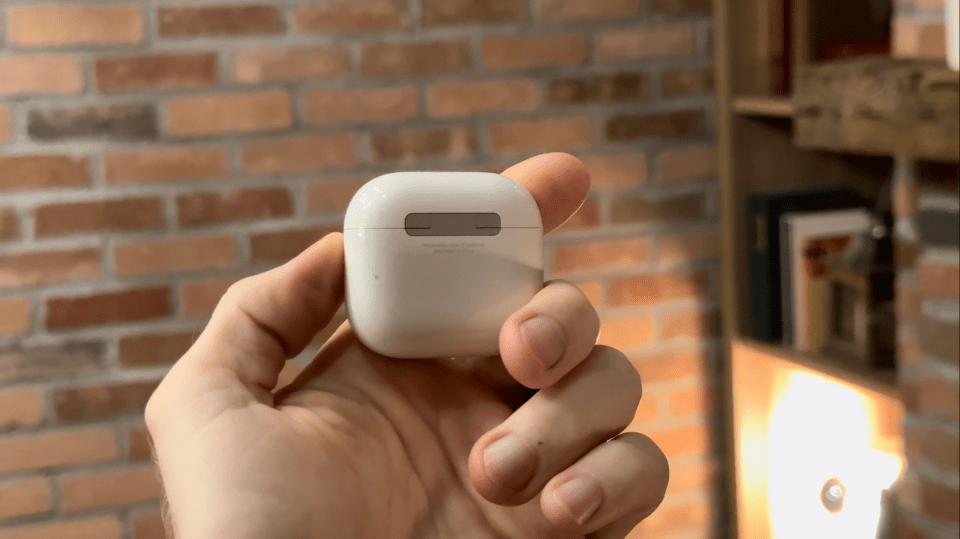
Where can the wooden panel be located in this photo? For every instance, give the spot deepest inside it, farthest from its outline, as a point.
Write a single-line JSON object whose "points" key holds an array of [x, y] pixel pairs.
{"points": [[774, 107]]}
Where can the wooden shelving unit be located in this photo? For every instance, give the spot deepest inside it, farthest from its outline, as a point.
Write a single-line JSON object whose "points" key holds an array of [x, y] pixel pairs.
{"points": [[764, 106]]}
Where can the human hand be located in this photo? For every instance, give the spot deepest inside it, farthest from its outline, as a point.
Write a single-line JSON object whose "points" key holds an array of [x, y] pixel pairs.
{"points": [[360, 446]]}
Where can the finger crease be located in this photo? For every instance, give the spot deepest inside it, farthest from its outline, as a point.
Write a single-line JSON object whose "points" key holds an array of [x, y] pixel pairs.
{"points": [[272, 333]]}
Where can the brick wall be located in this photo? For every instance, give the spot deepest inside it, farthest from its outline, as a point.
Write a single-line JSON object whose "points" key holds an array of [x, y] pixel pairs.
{"points": [[152, 153], [918, 29]]}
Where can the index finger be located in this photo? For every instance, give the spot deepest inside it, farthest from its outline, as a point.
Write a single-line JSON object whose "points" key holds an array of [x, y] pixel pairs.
{"points": [[559, 183]]}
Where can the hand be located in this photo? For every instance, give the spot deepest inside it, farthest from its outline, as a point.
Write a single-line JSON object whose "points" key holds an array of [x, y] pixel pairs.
{"points": [[360, 446]]}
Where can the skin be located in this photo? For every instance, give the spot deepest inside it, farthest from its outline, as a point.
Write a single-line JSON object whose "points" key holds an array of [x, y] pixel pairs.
{"points": [[362, 446]]}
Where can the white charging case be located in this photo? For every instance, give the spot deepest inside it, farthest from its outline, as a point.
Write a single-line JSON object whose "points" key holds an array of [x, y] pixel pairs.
{"points": [[437, 261]]}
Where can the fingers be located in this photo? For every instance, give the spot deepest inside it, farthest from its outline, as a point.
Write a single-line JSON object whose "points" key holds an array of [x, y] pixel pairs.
{"points": [[559, 183], [610, 490], [550, 336], [511, 464]]}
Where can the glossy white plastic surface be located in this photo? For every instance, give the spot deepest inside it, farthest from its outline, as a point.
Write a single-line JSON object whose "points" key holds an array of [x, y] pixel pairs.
{"points": [[439, 296]]}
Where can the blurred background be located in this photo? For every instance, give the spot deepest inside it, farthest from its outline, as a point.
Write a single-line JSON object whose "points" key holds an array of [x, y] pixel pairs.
{"points": [[153, 153]]}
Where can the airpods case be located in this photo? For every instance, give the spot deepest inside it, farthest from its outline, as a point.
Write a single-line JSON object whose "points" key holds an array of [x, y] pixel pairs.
{"points": [[437, 261]]}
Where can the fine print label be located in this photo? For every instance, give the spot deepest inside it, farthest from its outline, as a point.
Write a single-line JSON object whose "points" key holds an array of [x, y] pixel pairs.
{"points": [[454, 248]]}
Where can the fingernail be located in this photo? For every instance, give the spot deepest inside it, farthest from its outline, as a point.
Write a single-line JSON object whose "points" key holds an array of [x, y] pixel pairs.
{"points": [[510, 462], [545, 337], [580, 497]]}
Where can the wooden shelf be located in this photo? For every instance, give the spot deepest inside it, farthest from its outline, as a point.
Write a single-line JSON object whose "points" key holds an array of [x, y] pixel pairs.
{"points": [[772, 107], [880, 381]]}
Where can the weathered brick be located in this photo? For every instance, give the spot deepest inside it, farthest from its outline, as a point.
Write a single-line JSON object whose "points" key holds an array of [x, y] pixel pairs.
{"points": [[231, 20], [97, 490], [19, 363], [940, 448], [139, 444], [650, 42], [675, 519], [647, 289], [108, 308], [687, 82], [688, 163], [9, 224], [641, 210], [95, 25], [21, 407], [304, 153], [54, 449], [101, 401], [352, 16], [939, 396], [332, 196], [410, 59], [463, 12], [587, 216], [165, 165], [148, 524], [684, 247], [25, 497], [152, 349], [906, 252], [254, 66], [938, 280], [229, 113], [647, 412], [690, 401], [360, 105], [628, 334], [552, 134], [49, 267], [525, 52], [932, 41], [189, 253], [574, 10], [408, 145], [246, 205], [103, 527], [662, 125], [14, 315], [109, 122], [199, 298], [670, 366], [21, 172], [605, 255], [680, 7], [284, 245], [6, 125], [695, 324], [940, 339], [156, 72], [452, 99], [119, 215], [40, 74], [599, 88], [616, 170], [939, 228], [940, 502], [691, 440], [691, 477]]}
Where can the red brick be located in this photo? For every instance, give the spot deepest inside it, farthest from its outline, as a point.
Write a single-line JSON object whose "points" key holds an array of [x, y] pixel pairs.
{"points": [[290, 64], [284, 245], [642, 210], [42, 26], [940, 502], [331, 196], [101, 401], [680, 7], [234, 20], [691, 401], [122, 215], [9, 224], [939, 396], [461, 12], [178, 254], [616, 170], [148, 524], [618, 87], [574, 10], [96, 490], [119, 122], [940, 339], [660, 125], [695, 324], [938, 280], [552, 134], [588, 216], [692, 440], [687, 82], [21, 407], [690, 477], [456, 99], [54, 449], [672, 519], [606, 255], [20, 172], [229, 113], [303, 153], [49, 267], [167, 165], [409, 145], [199, 298], [19, 363], [352, 16], [247, 205], [684, 247], [932, 41], [156, 72], [139, 443], [24, 497], [108, 308], [410, 59], [525, 52], [628, 333], [152, 349], [639, 43], [940, 448], [105, 527], [690, 163], [6, 125], [909, 354], [647, 289], [594, 293], [14, 315], [671, 366], [40, 74], [360, 105]]}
